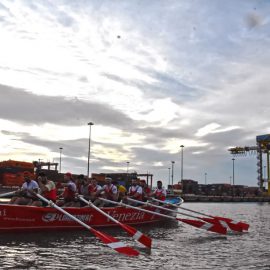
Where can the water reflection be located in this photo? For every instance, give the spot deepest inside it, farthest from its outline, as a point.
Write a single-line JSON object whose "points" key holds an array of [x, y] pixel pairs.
{"points": [[175, 246]]}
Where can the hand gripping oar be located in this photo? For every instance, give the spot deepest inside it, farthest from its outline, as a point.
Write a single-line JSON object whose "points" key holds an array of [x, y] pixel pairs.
{"points": [[217, 228], [109, 240], [136, 234], [233, 225]]}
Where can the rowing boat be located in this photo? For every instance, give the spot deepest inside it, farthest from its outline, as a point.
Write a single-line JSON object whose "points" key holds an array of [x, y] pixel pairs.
{"points": [[32, 218]]}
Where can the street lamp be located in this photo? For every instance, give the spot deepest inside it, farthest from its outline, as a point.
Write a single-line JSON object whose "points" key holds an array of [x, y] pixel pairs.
{"points": [[205, 178], [233, 159], [60, 159], [127, 166], [90, 124], [182, 160], [172, 171], [169, 175]]}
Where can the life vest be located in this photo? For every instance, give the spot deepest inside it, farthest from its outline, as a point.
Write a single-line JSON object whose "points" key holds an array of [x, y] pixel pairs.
{"points": [[133, 191], [92, 189], [79, 188], [68, 194], [109, 191], [146, 193], [159, 194], [50, 195]]}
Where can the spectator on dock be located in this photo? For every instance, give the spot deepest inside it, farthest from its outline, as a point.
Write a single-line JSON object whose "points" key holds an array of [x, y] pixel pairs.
{"points": [[47, 190], [68, 197], [23, 195]]}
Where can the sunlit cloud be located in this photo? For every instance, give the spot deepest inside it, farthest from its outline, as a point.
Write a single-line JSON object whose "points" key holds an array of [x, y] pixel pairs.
{"points": [[150, 76]]}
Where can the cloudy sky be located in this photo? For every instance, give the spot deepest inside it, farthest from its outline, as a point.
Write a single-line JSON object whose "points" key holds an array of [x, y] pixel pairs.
{"points": [[151, 75]]}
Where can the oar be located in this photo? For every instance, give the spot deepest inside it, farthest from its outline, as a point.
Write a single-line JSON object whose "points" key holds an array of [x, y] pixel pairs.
{"points": [[136, 234], [209, 220], [217, 228], [109, 240], [233, 225], [7, 194]]}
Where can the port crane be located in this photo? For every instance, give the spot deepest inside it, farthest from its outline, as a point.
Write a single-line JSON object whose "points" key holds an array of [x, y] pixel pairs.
{"points": [[261, 148]]}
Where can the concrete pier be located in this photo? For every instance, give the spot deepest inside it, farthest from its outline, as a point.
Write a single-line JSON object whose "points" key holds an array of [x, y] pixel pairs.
{"points": [[201, 198]]}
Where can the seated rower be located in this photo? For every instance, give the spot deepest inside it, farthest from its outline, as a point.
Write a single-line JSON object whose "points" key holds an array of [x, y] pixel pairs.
{"points": [[68, 197], [146, 190], [94, 189], [160, 192], [109, 191], [122, 192], [47, 190], [82, 188], [23, 196], [135, 192]]}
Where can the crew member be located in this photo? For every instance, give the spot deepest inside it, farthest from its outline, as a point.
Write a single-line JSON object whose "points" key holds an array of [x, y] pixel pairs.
{"points": [[109, 191], [68, 197], [24, 195], [146, 190], [47, 188], [160, 192], [94, 189], [135, 192]]}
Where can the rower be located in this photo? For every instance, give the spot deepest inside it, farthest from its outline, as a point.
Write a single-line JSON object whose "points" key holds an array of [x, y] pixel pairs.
{"points": [[94, 189], [109, 191], [23, 196], [160, 192], [47, 188], [135, 191], [82, 186], [122, 192], [68, 197], [146, 190]]}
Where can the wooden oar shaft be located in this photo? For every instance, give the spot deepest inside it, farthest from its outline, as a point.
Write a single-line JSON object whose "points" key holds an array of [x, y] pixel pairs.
{"points": [[229, 223], [165, 209], [181, 207], [217, 228], [140, 209], [7, 194]]}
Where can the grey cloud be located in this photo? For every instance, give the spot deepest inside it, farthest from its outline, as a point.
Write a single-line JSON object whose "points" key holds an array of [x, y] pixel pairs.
{"points": [[165, 86], [21, 106]]}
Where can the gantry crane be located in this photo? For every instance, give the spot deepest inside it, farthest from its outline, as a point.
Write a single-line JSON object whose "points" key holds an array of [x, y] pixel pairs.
{"points": [[262, 147]]}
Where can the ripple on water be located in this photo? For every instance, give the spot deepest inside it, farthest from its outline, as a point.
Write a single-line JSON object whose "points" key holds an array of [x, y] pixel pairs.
{"points": [[174, 246]]}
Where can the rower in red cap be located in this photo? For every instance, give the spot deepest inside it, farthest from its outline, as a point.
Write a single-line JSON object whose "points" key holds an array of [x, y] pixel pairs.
{"points": [[67, 198]]}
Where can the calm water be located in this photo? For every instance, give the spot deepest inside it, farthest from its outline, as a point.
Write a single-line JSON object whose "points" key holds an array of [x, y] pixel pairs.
{"points": [[177, 246]]}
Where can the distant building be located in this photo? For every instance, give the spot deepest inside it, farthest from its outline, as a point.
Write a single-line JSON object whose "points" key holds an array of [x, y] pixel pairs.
{"points": [[189, 186]]}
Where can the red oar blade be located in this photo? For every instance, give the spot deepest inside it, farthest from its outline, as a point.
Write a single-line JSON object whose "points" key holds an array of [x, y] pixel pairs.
{"points": [[114, 243], [225, 224], [217, 228], [244, 225], [137, 235]]}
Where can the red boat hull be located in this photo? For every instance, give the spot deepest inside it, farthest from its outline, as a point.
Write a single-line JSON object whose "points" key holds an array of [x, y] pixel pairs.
{"points": [[31, 218]]}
